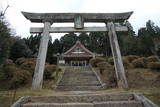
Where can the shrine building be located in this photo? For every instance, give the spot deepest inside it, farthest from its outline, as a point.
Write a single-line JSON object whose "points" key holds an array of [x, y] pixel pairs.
{"points": [[78, 55]]}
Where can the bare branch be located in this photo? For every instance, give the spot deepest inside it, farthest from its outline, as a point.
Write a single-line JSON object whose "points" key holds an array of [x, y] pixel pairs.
{"points": [[6, 9], [3, 12]]}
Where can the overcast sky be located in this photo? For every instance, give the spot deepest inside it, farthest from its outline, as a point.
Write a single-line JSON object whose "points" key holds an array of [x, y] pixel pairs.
{"points": [[143, 11]]}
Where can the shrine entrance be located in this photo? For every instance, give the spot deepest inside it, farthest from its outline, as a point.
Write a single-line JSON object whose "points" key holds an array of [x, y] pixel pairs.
{"points": [[78, 55], [78, 63], [115, 22]]}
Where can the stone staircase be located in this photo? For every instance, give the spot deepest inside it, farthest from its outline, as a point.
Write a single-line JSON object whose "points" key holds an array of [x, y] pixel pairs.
{"points": [[79, 78], [87, 100], [83, 78]]}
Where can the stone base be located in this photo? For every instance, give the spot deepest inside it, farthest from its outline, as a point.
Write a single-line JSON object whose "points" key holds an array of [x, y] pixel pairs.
{"points": [[87, 100]]}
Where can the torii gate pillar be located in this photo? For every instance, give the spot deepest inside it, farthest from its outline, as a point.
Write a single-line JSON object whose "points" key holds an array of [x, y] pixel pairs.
{"points": [[119, 68], [40, 64]]}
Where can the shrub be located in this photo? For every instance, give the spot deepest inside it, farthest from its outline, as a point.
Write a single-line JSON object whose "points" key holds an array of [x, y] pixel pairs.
{"points": [[27, 64], [111, 61], [20, 61], [140, 63], [20, 77], [154, 65], [59, 69], [102, 66], [106, 59], [94, 61], [14, 77], [110, 75], [153, 59], [2, 77], [32, 59], [8, 62], [8, 71], [126, 63], [49, 70], [130, 58]]}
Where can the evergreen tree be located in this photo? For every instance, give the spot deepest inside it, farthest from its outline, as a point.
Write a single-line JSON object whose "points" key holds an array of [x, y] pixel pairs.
{"points": [[68, 40], [5, 39], [49, 51], [20, 49], [57, 47], [84, 38], [33, 42]]}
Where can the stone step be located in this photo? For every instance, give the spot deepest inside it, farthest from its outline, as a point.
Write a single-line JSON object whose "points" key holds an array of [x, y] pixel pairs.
{"points": [[77, 99], [79, 88], [84, 98], [92, 82], [119, 104], [81, 83], [78, 84], [58, 105], [80, 78], [94, 104], [80, 74], [77, 78], [74, 72], [87, 80]]}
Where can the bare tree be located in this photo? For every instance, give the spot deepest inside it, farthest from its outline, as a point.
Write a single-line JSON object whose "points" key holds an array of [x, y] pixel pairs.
{"points": [[2, 13]]}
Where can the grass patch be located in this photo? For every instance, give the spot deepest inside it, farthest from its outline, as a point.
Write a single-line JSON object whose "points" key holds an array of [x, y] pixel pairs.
{"points": [[5, 101], [6, 97]]}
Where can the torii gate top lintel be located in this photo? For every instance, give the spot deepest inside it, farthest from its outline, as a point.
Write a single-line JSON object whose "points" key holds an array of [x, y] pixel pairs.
{"points": [[70, 17]]}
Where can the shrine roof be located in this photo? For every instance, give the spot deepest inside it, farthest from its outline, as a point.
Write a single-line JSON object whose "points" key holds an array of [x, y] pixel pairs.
{"points": [[78, 50]]}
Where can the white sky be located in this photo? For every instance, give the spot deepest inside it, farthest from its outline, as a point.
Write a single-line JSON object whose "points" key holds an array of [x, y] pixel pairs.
{"points": [[143, 10]]}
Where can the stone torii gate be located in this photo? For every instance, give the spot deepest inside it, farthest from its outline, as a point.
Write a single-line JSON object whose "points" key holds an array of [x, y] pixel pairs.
{"points": [[115, 22]]}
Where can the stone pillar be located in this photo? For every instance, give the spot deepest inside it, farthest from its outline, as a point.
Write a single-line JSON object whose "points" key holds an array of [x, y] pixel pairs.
{"points": [[40, 64], [120, 73], [58, 58], [71, 63]]}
